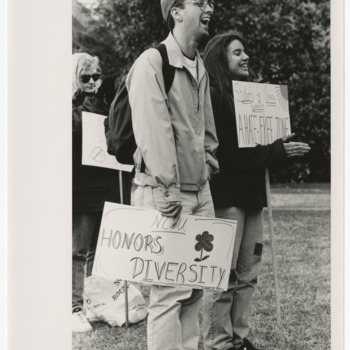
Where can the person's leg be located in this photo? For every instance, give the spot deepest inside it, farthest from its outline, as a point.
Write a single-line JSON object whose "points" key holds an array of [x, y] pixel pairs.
{"points": [[201, 204], [248, 269], [173, 318], [93, 243], [189, 318], [173, 311], [217, 305], [83, 228]]}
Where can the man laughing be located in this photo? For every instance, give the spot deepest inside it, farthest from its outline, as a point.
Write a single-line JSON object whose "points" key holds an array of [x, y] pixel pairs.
{"points": [[175, 156]]}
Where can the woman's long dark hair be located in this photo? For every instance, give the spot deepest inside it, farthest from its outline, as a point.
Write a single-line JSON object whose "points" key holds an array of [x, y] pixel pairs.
{"points": [[216, 60]]}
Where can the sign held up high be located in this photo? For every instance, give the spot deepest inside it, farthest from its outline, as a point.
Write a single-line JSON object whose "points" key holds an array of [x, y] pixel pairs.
{"points": [[262, 113], [138, 244]]}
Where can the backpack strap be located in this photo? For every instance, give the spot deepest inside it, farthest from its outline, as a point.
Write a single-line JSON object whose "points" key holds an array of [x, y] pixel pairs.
{"points": [[167, 69]]}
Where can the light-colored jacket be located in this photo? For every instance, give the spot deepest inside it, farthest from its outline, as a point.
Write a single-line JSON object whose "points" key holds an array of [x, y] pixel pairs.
{"points": [[175, 133]]}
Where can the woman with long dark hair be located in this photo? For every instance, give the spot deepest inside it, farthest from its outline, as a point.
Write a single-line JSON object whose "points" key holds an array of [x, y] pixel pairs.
{"points": [[239, 194]]}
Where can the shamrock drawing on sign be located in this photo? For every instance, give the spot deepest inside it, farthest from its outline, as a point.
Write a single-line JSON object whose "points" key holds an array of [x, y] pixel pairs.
{"points": [[204, 243]]}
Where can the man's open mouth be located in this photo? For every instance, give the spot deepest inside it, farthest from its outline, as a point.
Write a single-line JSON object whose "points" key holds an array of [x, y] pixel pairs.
{"points": [[205, 21]]}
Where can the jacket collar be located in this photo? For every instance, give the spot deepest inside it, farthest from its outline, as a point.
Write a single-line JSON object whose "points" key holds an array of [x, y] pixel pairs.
{"points": [[175, 56]]}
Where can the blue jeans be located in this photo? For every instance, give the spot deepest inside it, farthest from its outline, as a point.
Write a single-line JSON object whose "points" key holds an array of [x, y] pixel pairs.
{"points": [[226, 313], [85, 233], [173, 322]]}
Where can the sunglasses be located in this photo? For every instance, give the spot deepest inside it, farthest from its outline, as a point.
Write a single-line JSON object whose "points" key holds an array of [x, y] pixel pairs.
{"points": [[85, 78], [202, 4]]}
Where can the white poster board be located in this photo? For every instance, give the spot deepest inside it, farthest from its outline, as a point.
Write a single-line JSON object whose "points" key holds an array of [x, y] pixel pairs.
{"points": [[262, 113], [138, 244], [94, 144]]}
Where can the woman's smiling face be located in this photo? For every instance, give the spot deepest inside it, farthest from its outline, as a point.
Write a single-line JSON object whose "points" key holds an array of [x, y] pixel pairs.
{"points": [[237, 60]]}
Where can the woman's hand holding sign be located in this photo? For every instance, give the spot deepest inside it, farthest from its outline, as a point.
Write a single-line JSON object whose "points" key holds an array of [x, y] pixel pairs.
{"points": [[294, 149]]}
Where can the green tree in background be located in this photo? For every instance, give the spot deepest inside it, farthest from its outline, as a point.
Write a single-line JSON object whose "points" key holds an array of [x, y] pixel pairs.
{"points": [[288, 42]]}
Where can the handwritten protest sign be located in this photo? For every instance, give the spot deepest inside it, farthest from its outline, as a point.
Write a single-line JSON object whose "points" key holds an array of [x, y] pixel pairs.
{"points": [[262, 113], [94, 144], [138, 244]]}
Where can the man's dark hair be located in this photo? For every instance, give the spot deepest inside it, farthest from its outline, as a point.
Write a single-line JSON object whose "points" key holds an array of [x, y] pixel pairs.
{"points": [[171, 21]]}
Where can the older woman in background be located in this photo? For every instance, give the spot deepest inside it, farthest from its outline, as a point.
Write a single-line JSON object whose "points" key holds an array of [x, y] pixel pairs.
{"points": [[92, 186]]}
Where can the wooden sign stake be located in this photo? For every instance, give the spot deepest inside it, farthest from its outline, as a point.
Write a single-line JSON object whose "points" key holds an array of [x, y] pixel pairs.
{"points": [[272, 239], [125, 282]]}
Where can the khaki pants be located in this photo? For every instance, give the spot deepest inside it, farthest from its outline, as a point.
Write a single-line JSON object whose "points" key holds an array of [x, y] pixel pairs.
{"points": [[173, 322]]}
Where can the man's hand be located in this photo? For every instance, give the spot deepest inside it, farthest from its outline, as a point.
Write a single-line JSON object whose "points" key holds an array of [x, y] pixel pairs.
{"points": [[294, 149], [171, 209]]}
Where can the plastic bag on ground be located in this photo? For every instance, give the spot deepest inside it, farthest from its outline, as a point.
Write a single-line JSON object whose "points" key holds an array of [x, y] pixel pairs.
{"points": [[105, 301]]}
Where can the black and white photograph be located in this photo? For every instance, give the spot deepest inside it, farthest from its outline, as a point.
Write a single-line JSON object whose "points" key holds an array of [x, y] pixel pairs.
{"points": [[203, 143], [195, 199]]}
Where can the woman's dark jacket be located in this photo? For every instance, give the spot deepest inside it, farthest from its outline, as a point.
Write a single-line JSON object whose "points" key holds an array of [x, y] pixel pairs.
{"points": [[92, 186], [241, 181]]}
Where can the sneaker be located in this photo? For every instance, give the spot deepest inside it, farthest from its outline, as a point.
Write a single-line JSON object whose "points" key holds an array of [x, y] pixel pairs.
{"points": [[247, 345], [79, 322]]}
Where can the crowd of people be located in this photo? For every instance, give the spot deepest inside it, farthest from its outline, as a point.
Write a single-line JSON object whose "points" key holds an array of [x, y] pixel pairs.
{"points": [[187, 161]]}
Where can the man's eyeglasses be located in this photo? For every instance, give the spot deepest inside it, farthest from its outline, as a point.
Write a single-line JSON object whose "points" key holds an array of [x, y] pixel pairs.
{"points": [[85, 78], [202, 4]]}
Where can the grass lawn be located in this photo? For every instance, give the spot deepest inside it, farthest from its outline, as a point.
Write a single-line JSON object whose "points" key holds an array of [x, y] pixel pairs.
{"points": [[303, 245], [303, 257]]}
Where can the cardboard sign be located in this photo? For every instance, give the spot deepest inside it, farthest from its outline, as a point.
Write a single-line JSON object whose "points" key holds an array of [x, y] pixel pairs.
{"points": [[94, 144], [262, 113], [138, 244]]}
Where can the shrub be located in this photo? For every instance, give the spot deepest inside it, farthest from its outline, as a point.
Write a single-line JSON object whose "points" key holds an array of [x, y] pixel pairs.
{"points": [[288, 42]]}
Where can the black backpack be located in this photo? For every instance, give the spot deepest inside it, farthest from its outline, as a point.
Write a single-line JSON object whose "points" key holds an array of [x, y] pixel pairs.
{"points": [[118, 127]]}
